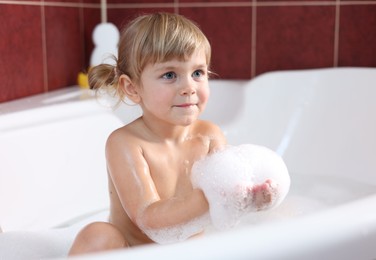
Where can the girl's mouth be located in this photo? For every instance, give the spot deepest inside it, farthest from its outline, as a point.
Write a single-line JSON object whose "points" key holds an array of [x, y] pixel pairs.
{"points": [[185, 105]]}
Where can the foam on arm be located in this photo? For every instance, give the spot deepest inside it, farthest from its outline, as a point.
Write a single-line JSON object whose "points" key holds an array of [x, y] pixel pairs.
{"points": [[177, 233]]}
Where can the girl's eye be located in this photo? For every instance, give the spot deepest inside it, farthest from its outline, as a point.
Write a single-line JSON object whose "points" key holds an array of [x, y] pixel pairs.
{"points": [[169, 75], [198, 73]]}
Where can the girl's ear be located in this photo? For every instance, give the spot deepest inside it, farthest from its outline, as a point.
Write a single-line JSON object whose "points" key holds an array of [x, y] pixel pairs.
{"points": [[129, 89]]}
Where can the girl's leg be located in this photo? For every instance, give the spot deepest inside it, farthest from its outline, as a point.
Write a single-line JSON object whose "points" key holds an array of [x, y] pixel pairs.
{"points": [[96, 237]]}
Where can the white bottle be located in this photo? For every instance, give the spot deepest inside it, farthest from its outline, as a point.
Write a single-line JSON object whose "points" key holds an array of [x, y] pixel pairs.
{"points": [[106, 39]]}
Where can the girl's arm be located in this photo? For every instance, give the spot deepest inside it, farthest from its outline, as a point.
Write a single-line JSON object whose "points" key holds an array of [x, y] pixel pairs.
{"points": [[137, 192]]}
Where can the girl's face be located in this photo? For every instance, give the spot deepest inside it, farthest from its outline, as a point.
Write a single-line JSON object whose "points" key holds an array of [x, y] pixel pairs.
{"points": [[175, 91]]}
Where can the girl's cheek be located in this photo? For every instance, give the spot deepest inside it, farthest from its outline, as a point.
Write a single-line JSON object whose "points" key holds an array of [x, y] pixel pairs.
{"points": [[205, 95]]}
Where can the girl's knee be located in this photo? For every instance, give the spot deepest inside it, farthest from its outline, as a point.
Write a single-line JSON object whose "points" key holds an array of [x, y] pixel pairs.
{"points": [[98, 236]]}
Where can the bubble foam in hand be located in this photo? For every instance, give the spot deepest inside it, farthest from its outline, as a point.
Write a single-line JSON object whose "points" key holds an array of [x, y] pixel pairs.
{"points": [[240, 179]]}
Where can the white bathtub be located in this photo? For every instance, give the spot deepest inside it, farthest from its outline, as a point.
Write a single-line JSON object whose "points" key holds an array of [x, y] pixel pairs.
{"points": [[323, 123]]}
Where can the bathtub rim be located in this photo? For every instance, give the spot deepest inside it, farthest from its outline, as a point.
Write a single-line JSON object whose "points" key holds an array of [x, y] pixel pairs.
{"points": [[327, 231]]}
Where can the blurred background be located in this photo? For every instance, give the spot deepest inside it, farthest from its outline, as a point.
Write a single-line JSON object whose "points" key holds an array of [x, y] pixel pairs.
{"points": [[45, 44]]}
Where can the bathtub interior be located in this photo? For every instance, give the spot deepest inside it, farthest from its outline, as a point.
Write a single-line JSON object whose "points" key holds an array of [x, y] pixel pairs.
{"points": [[51, 149], [322, 122], [319, 121]]}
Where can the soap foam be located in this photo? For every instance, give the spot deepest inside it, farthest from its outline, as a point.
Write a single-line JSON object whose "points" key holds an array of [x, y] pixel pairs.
{"points": [[179, 232], [225, 175]]}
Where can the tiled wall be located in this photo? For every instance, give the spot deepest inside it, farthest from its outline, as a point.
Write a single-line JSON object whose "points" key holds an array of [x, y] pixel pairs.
{"points": [[44, 44]]}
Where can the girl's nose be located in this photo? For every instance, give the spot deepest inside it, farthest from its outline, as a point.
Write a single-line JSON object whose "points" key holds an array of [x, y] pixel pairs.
{"points": [[188, 89]]}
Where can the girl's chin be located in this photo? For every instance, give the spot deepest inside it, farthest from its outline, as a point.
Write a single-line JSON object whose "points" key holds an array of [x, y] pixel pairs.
{"points": [[187, 121]]}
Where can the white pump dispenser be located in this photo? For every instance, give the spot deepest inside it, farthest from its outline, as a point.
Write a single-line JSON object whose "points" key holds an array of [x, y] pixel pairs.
{"points": [[106, 38]]}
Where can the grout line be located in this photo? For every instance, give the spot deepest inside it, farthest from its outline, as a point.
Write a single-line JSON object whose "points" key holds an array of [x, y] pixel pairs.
{"points": [[176, 4], [297, 3], [51, 4], [21, 2], [357, 3], [316, 3], [104, 11], [144, 5], [44, 48], [253, 40], [82, 38], [336, 34]]}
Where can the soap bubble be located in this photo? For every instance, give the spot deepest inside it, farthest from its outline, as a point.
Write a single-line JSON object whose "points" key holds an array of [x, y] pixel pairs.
{"points": [[229, 179], [179, 232]]}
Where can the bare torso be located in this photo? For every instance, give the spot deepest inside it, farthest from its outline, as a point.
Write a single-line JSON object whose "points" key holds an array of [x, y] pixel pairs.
{"points": [[169, 165]]}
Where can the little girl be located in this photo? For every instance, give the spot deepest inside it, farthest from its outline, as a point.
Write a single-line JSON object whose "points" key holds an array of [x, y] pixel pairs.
{"points": [[163, 66]]}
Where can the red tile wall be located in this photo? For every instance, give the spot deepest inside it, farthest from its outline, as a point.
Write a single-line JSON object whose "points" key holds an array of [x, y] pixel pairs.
{"points": [[45, 43]]}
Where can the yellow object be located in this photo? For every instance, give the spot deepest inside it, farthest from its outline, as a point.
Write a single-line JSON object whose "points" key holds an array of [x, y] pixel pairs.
{"points": [[83, 80]]}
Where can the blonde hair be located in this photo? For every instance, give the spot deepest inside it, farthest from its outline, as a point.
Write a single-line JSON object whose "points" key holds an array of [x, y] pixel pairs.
{"points": [[148, 39]]}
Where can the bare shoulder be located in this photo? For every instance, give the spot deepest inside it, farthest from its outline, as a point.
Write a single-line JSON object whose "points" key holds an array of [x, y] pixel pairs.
{"points": [[213, 132], [207, 127], [124, 137], [119, 135]]}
